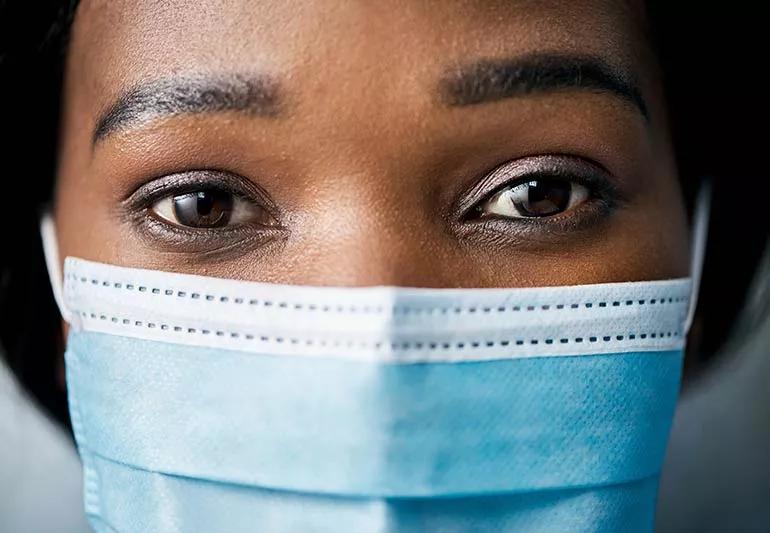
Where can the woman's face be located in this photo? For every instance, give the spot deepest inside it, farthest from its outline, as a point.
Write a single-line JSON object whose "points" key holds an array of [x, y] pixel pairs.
{"points": [[441, 143]]}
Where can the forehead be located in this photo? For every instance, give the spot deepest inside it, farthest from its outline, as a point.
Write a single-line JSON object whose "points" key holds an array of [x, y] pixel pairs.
{"points": [[342, 44]]}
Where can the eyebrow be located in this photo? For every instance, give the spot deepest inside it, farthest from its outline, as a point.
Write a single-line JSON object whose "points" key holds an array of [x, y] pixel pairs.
{"points": [[490, 81], [257, 96], [472, 84]]}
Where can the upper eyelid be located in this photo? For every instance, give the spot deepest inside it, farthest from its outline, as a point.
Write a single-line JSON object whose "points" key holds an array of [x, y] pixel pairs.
{"points": [[182, 183], [512, 173], [152, 191]]}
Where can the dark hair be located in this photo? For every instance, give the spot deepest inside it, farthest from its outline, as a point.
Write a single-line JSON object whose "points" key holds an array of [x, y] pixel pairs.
{"points": [[32, 44], [708, 110]]}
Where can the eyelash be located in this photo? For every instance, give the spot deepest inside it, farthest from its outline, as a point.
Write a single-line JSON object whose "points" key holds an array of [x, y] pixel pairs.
{"points": [[604, 197], [603, 200], [183, 183], [138, 206]]}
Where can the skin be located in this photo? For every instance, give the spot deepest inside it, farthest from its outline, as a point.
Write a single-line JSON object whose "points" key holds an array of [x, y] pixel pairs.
{"points": [[365, 167]]}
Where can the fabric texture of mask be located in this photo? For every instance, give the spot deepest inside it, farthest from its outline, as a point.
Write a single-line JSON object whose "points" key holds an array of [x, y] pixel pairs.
{"points": [[203, 404]]}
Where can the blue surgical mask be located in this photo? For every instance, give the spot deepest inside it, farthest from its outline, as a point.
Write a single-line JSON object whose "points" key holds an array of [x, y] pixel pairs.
{"points": [[204, 404]]}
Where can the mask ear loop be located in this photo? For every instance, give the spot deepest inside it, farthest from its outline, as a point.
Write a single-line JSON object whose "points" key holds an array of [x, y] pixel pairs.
{"points": [[51, 253], [698, 246]]}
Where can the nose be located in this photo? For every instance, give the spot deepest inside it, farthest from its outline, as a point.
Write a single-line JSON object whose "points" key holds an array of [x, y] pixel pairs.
{"points": [[362, 232]]}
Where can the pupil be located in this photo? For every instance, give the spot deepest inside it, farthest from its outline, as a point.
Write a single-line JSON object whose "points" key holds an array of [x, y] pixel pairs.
{"points": [[546, 197], [205, 203], [203, 209]]}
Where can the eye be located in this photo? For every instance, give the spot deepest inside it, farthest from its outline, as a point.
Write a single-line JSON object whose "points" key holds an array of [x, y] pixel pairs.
{"points": [[210, 208], [535, 198]]}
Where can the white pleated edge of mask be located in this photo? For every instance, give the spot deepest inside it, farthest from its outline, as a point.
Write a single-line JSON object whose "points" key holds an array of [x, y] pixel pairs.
{"points": [[395, 324]]}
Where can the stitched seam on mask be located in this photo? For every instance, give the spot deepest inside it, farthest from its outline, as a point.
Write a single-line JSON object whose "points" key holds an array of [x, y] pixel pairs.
{"points": [[381, 345], [325, 308]]}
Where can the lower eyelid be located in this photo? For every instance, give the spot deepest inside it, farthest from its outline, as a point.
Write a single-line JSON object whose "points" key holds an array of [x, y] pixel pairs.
{"points": [[171, 237], [583, 216], [206, 246]]}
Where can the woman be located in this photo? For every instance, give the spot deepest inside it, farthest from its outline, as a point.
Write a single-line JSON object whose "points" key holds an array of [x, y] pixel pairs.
{"points": [[397, 144]]}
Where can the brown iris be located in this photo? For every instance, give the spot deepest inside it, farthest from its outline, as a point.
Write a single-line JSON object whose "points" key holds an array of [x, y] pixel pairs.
{"points": [[203, 209], [542, 198]]}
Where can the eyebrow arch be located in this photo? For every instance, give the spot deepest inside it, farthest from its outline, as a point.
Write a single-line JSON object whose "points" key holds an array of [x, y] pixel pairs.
{"points": [[256, 96], [489, 81]]}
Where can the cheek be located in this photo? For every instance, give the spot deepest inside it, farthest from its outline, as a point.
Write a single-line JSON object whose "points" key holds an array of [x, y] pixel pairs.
{"points": [[645, 245], [663, 228], [86, 222], [645, 239]]}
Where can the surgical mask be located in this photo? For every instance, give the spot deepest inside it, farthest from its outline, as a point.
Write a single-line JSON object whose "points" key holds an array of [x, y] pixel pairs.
{"points": [[204, 404]]}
